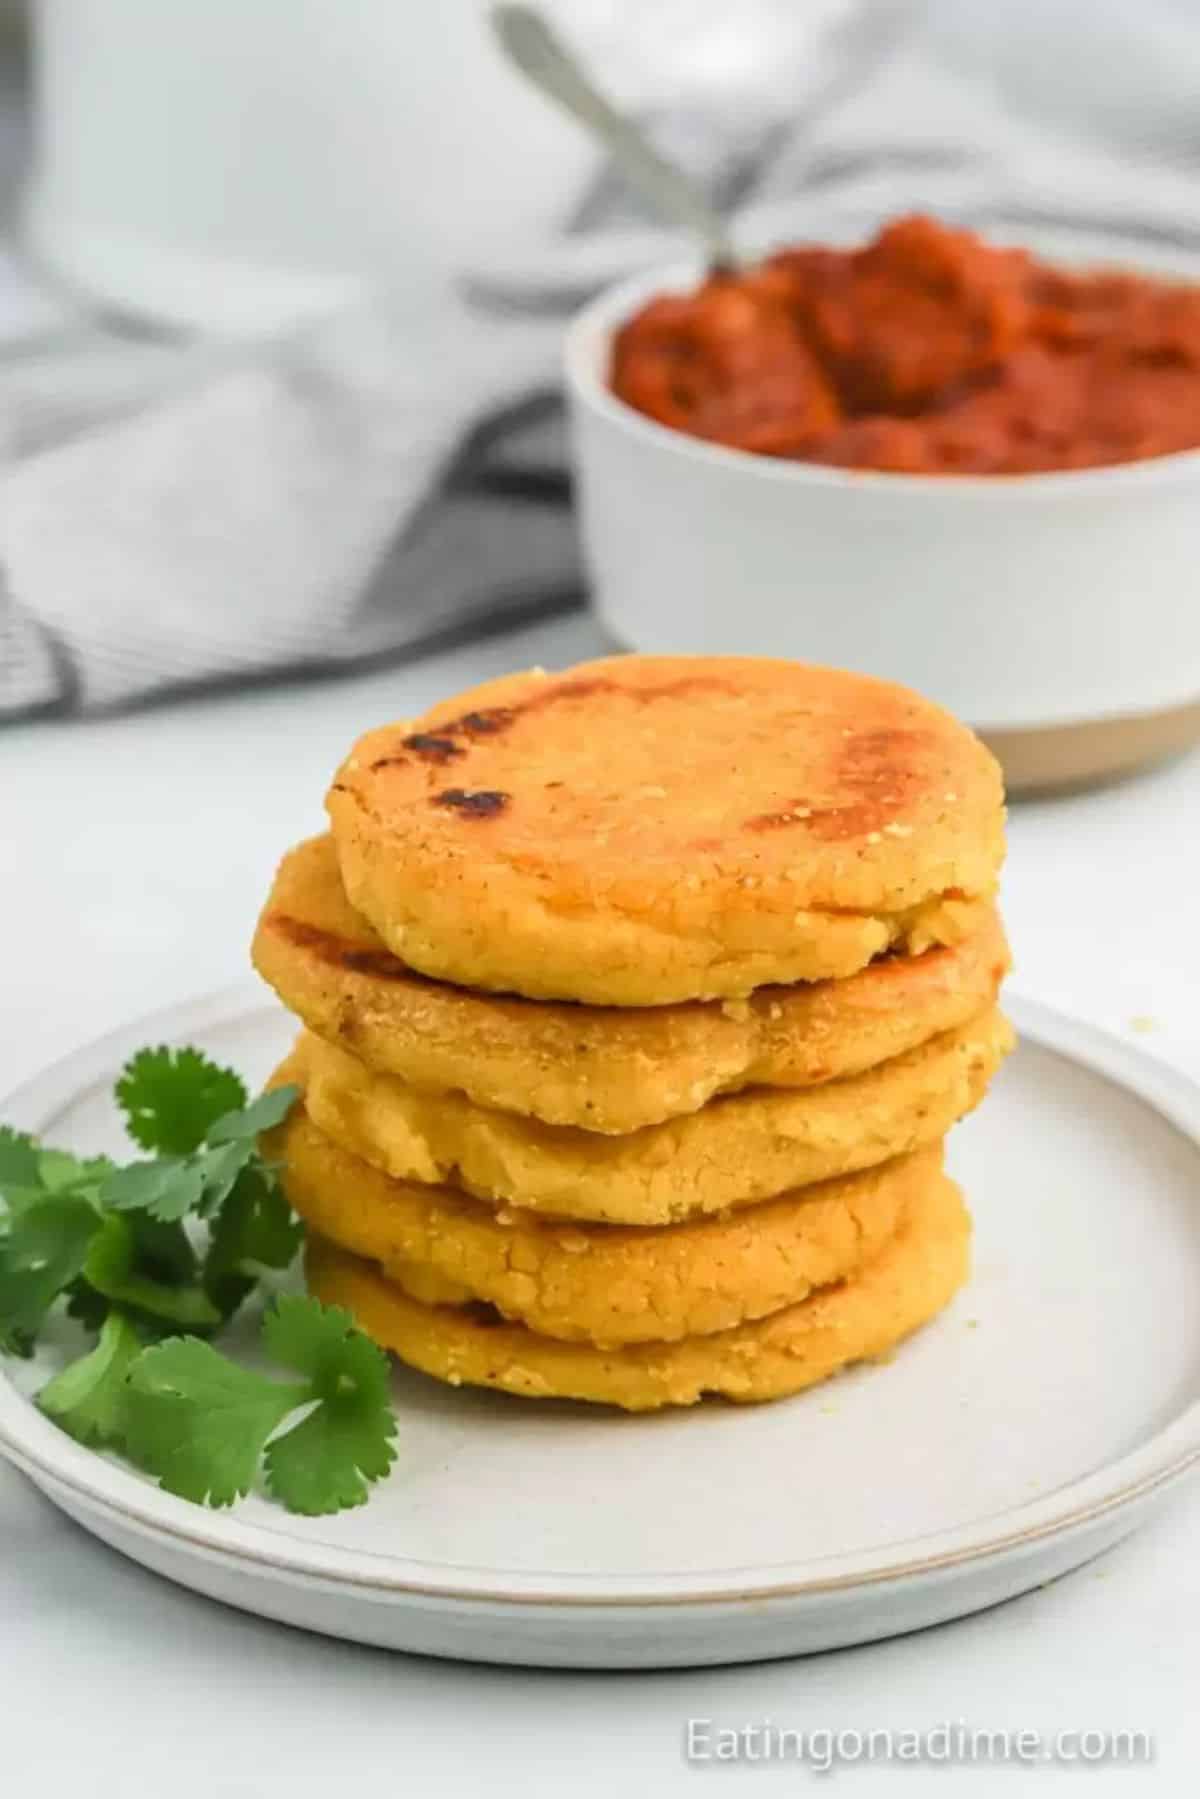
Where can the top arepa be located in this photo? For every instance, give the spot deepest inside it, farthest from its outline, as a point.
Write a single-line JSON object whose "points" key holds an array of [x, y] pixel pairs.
{"points": [[647, 829]]}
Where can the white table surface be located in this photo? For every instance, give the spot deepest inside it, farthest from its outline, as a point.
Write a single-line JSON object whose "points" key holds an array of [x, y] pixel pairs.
{"points": [[133, 857]]}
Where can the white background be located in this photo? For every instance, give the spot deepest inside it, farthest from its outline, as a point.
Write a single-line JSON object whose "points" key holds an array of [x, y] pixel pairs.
{"points": [[133, 857]]}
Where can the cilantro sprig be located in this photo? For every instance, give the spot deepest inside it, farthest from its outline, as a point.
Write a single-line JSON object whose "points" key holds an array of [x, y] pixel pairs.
{"points": [[154, 1257], [203, 1424]]}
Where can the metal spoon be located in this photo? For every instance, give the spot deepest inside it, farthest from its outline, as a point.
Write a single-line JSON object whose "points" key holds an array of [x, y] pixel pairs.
{"points": [[540, 54]]}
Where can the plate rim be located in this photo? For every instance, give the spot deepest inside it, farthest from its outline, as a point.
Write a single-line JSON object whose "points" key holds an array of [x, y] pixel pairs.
{"points": [[54, 1461]]}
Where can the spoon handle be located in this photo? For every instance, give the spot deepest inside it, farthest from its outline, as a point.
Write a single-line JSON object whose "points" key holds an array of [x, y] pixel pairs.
{"points": [[540, 54]]}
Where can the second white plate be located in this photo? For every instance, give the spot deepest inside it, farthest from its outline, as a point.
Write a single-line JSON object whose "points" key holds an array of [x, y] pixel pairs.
{"points": [[1018, 1436]]}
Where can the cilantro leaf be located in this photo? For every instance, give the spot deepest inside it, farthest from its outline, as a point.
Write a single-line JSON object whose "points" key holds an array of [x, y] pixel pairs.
{"points": [[51, 1172], [43, 1251], [172, 1098], [59, 1172], [173, 1186], [85, 1305], [163, 1251], [29, 1173], [18, 1159], [328, 1461], [19, 1199], [268, 1110], [121, 1265], [176, 1243], [254, 1229], [203, 1424], [87, 1398], [167, 1189], [160, 1252], [199, 1422], [220, 1168]]}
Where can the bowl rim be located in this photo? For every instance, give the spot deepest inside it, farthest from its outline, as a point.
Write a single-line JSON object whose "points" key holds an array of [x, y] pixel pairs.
{"points": [[591, 330]]}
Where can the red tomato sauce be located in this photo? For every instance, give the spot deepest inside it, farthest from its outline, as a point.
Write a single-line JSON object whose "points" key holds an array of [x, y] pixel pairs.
{"points": [[927, 352]]}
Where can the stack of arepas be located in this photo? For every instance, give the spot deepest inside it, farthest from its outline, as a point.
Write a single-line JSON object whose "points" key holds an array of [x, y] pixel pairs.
{"points": [[638, 1002]]}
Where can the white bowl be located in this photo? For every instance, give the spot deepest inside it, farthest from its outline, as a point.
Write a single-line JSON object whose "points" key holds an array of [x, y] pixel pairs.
{"points": [[1057, 612]]}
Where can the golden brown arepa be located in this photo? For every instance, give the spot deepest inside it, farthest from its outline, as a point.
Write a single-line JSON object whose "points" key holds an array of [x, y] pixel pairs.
{"points": [[638, 1001], [650, 829], [910, 1280], [603, 1068], [733, 1152], [604, 1284]]}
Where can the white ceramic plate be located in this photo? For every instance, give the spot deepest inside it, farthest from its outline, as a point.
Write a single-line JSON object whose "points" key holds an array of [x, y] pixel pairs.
{"points": [[1025, 1431]]}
